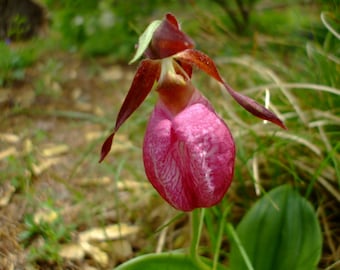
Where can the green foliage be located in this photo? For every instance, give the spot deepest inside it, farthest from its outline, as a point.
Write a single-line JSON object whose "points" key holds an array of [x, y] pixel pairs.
{"points": [[103, 27], [18, 27], [49, 232], [282, 231], [13, 62], [18, 171], [324, 51], [50, 71], [169, 260], [160, 261], [237, 12]]}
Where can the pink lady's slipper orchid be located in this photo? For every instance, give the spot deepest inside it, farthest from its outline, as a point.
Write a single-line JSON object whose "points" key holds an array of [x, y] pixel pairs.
{"points": [[188, 150]]}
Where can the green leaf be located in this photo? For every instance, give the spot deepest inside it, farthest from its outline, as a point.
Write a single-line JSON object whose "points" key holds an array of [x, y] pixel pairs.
{"points": [[144, 39], [165, 261], [281, 231]]}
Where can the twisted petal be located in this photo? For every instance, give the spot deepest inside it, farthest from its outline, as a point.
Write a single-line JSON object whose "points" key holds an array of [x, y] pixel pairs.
{"points": [[146, 75], [205, 63], [189, 158]]}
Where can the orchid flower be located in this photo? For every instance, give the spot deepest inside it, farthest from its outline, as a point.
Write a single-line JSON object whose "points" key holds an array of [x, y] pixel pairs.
{"points": [[188, 150]]}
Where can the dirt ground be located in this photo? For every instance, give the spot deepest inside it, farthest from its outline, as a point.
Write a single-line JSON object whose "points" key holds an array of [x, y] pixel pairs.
{"points": [[52, 126]]}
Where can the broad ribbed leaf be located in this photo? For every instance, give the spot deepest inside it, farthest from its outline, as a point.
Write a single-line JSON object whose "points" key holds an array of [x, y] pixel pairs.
{"points": [[205, 63], [161, 261], [281, 231], [146, 75]]}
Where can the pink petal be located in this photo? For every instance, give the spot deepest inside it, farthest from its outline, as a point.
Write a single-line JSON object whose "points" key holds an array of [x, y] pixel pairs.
{"points": [[205, 63], [146, 75], [189, 158]]}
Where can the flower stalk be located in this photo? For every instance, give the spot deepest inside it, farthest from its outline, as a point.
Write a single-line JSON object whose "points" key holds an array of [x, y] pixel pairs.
{"points": [[197, 220]]}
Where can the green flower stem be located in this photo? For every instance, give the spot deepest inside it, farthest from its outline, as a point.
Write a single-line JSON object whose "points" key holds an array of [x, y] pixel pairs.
{"points": [[197, 217], [220, 236], [233, 235]]}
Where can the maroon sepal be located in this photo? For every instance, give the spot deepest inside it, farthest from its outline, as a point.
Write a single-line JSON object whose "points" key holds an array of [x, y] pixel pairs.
{"points": [[168, 39], [147, 73], [205, 63]]}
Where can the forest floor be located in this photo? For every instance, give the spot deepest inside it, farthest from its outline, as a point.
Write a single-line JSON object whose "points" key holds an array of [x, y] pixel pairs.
{"points": [[52, 126]]}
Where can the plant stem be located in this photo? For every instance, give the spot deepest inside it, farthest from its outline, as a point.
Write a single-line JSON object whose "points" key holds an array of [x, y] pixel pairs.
{"points": [[220, 236], [195, 233], [197, 217]]}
